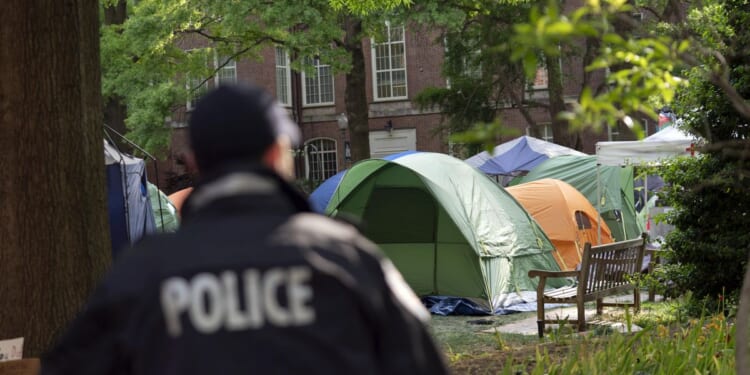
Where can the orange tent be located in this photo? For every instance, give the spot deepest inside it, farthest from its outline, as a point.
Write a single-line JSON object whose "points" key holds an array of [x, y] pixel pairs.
{"points": [[178, 198], [565, 215]]}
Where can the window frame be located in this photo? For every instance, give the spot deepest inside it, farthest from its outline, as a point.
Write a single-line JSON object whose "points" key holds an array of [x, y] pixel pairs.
{"points": [[311, 156], [317, 67], [545, 133], [230, 64], [285, 100], [374, 58], [224, 64]]}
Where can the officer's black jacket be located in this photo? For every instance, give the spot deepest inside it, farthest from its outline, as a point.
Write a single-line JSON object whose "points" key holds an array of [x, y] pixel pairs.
{"points": [[355, 315]]}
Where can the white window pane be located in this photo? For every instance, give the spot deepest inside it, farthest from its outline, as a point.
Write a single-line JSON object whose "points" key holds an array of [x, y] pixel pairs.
{"points": [[281, 85], [389, 60], [321, 159], [326, 84], [384, 91], [397, 59], [398, 78]]}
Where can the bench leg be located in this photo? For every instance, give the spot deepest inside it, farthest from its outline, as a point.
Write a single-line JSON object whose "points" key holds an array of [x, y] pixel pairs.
{"points": [[637, 300], [581, 318], [540, 315], [540, 327], [599, 307]]}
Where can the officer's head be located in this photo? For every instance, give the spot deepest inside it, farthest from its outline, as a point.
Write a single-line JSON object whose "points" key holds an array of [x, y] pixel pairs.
{"points": [[241, 124]]}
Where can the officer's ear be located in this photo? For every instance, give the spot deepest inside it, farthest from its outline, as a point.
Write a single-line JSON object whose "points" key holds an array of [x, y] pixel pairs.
{"points": [[189, 159], [278, 156]]}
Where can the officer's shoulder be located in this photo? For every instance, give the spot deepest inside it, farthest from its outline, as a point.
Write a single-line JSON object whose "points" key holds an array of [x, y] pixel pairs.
{"points": [[315, 229], [316, 224]]}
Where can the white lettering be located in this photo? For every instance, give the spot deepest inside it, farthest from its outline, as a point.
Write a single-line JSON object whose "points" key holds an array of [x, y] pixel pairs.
{"points": [[253, 297], [206, 303], [274, 313], [235, 319], [300, 293], [279, 296], [175, 297]]}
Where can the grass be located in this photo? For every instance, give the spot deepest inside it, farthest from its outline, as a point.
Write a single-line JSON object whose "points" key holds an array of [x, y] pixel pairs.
{"points": [[669, 343]]}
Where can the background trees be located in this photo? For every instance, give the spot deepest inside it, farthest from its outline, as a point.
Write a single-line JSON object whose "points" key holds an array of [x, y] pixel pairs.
{"points": [[699, 62], [166, 51]]}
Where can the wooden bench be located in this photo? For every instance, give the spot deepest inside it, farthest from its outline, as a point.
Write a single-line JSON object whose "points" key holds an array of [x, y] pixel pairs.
{"points": [[604, 271]]}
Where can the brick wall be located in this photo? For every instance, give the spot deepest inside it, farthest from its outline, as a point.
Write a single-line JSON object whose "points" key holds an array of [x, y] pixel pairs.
{"points": [[424, 57]]}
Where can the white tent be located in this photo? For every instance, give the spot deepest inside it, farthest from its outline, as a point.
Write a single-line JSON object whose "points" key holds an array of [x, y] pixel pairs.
{"points": [[667, 143]]}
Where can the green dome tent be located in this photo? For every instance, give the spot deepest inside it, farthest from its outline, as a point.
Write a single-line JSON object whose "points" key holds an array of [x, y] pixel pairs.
{"points": [[610, 186], [447, 227]]}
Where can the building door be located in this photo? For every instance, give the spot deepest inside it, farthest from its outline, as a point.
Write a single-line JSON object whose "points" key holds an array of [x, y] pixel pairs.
{"points": [[387, 142]]}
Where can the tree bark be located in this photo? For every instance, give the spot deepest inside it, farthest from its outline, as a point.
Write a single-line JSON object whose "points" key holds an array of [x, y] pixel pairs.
{"points": [[560, 128], [357, 108], [53, 231]]}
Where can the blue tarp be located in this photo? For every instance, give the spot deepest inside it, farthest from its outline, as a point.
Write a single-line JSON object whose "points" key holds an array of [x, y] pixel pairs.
{"points": [[518, 155], [442, 305], [320, 197]]}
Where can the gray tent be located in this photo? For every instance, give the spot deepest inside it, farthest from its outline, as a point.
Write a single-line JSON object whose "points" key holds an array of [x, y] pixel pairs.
{"points": [[130, 213]]}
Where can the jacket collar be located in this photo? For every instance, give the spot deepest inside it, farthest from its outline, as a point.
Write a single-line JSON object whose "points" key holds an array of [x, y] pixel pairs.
{"points": [[247, 181]]}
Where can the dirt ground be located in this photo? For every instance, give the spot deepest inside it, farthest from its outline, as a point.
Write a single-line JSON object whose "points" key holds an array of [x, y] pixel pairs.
{"points": [[521, 359]]}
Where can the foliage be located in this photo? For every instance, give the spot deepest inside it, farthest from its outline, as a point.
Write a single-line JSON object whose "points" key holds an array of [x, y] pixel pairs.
{"points": [[712, 214], [701, 64], [364, 7], [477, 65], [670, 343], [167, 52], [711, 194], [642, 68]]}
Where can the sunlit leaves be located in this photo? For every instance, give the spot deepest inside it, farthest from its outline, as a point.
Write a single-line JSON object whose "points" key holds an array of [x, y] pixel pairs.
{"points": [[364, 7], [641, 70]]}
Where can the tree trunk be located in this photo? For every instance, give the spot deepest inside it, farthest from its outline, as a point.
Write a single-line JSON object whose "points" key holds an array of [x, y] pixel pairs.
{"points": [[54, 234], [560, 128], [357, 108]]}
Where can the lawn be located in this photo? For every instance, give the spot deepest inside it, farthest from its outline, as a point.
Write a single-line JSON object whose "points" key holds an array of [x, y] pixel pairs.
{"points": [[668, 344]]}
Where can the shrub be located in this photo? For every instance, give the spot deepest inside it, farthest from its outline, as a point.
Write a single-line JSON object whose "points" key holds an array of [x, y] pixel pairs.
{"points": [[709, 248]]}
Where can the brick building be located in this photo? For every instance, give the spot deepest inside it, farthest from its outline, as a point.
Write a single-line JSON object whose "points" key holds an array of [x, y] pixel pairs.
{"points": [[400, 67]]}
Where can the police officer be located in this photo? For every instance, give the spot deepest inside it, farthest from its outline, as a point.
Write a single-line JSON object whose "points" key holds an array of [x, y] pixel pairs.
{"points": [[253, 282]]}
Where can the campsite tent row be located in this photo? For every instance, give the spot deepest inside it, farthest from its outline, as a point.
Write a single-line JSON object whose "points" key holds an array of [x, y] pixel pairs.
{"points": [[421, 193]]}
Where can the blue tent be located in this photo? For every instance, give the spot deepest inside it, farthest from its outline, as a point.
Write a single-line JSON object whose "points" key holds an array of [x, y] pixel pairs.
{"points": [[320, 197], [130, 213], [518, 155]]}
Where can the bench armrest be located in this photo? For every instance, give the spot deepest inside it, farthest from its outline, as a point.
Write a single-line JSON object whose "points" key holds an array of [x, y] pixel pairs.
{"points": [[545, 274]]}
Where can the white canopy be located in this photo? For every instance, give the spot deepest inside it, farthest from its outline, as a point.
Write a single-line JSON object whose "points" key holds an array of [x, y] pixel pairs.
{"points": [[666, 143]]}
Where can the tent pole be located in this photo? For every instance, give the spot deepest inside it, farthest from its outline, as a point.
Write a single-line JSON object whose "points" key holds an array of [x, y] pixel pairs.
{"points": [[645, 195], [598, 206]]}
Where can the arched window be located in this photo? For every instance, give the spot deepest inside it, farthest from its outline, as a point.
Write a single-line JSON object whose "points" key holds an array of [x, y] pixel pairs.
{"points": [[321, 160]]}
